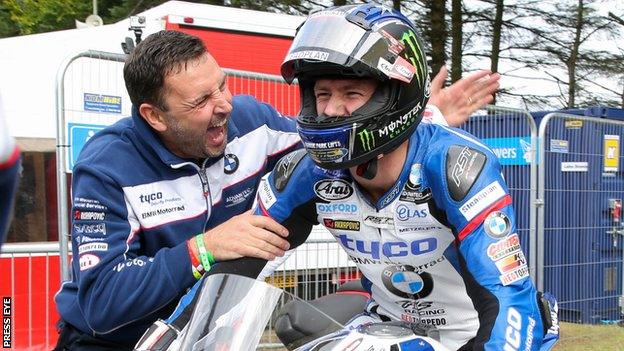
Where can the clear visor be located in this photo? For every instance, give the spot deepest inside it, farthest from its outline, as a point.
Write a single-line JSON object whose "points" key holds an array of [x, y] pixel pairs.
{"points": [[323, 34]]}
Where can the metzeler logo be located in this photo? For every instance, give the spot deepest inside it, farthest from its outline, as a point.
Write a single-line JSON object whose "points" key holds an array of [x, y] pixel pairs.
{"points": [[341, 224], [151, 197], [333, 189]]}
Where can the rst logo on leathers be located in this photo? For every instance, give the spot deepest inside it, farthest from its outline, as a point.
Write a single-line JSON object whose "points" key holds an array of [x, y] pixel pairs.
{"points": [[333, 189]]}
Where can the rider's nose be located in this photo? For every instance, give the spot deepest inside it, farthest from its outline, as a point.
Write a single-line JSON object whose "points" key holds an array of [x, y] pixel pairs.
{"points": [[335, 107]]}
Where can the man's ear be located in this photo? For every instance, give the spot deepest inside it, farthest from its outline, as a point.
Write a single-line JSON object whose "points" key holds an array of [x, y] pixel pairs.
{"points": [[153, 116]]}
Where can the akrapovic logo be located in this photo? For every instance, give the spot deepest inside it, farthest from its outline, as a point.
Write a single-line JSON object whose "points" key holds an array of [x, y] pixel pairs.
{"points": [[89, 216], [333, 189]]}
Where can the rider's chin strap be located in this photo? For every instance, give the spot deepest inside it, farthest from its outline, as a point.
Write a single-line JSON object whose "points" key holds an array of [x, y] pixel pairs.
{"points": [[367, 170]]}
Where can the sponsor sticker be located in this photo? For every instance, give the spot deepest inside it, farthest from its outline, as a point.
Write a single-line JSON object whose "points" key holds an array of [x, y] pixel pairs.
{"points": [[515, 275], [87, 261], [415, 176], [481, 200], [340, 224], [328, 155], [405, 282], [379, 221], [497, 225], [80, 239], [266, 194], [416, 196], [89, 216], [308, 55], [98, 228], [504, 247], [162, 211], [230, 163], [511, 262], [88, 204], [390, 196], [333, 189], [337, 208], [136, 262], [406, 212], [236, 199], [422, 228], [95, 246]]}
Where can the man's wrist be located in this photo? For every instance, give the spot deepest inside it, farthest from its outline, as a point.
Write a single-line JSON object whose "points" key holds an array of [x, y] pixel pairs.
{"points": [[206, 258], [196, 265]]}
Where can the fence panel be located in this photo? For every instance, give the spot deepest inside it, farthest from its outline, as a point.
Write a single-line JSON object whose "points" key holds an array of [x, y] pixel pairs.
{"points": [[512, 136], [582, 240], [30, 278]]}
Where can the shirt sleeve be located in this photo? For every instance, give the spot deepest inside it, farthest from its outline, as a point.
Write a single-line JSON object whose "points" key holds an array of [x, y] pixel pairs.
{"points": [[479, 208]]}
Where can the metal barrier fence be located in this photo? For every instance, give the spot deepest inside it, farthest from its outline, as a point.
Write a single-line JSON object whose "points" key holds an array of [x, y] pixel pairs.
{"points": [[512, 135], [29, 278], [580, 235]]}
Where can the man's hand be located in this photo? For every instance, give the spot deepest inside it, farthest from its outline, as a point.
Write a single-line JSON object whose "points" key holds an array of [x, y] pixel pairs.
{"points": [[247, 235], [458, 101]]}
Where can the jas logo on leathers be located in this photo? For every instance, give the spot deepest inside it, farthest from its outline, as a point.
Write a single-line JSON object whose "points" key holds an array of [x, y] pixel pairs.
{"points": [[333, 189]]}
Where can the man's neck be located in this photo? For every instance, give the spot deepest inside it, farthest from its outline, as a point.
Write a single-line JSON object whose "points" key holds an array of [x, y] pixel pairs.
{"points": [[389, 169]]}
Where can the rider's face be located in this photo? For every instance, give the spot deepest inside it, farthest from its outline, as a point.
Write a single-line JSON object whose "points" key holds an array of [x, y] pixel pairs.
{"points": [[198, 109], [340, 97]]}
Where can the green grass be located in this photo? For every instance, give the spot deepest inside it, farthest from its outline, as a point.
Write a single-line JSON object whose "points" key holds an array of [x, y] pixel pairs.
{"points": [[577, 337]]}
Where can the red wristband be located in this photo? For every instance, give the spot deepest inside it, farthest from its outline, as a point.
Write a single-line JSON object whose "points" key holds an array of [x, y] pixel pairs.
{"points": [[197, 267]]}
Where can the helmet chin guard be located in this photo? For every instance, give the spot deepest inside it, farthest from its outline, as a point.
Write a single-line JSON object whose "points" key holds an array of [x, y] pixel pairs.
{"points": [[350, 42]]}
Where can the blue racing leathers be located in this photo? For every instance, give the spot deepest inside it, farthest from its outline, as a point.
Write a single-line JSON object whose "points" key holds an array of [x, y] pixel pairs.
{"points": [[134, 205], [440, 248]]}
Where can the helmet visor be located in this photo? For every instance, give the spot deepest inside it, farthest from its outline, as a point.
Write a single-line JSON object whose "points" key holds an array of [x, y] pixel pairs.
{"points": [[326, 36]]}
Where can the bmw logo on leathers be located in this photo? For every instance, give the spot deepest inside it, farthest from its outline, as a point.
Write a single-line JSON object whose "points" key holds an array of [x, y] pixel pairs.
{"points": [[230, 163], [406, 282], [333, 189]]}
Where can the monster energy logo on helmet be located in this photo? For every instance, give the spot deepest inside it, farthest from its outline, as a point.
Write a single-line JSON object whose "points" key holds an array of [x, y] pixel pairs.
{"points": [[367, 138], [414, 53]]}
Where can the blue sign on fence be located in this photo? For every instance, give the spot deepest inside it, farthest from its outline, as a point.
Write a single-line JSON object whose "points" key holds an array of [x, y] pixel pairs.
{"points": [[79, 134], [511, 151], [102, 103]]}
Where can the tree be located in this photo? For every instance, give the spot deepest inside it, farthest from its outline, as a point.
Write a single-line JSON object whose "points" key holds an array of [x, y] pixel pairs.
{"points": [[36, 16], [457, 42]]}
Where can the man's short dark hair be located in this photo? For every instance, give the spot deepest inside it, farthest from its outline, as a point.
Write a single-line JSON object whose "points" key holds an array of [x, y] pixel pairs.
{"points": [[159, 55]]}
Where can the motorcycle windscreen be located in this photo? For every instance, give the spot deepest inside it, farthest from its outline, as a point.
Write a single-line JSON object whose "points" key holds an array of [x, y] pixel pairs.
{"points": [[231, 314]]}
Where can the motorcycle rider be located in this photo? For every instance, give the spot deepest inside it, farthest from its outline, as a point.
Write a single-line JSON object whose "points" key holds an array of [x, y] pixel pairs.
{"points": [[422, 209]]}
